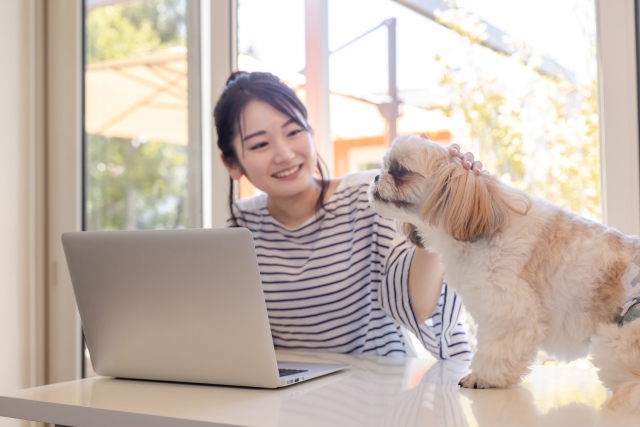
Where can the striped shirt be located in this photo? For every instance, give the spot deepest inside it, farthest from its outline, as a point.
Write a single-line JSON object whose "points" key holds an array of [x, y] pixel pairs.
{"points": [[338, 282]]}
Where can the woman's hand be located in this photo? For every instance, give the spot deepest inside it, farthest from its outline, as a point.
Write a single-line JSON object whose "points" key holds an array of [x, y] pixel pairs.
{"points": [[467, 158]]}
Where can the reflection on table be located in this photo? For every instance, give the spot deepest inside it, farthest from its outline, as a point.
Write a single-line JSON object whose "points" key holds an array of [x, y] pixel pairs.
{"points": [[413, 392], [376, 391]]}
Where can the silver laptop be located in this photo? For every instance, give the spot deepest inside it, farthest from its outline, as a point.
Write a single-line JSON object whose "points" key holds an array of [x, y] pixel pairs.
{"points": [[177, 305]]}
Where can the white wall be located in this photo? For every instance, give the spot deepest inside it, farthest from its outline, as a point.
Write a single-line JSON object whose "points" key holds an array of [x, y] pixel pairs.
{"points": [[18, 217]]}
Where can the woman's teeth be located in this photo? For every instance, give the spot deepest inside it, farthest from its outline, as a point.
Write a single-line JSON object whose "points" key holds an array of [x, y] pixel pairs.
{"points": [[287, 172]]}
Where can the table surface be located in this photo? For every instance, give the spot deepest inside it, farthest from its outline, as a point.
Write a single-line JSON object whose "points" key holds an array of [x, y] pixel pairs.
{"points": [[376, 391]]}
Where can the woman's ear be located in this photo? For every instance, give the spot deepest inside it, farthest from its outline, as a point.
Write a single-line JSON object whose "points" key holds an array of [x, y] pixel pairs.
{"points": [[234, 169]]}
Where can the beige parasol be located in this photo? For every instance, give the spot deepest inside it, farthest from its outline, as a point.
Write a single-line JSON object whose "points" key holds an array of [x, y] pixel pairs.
{"points": [[145, 97], [142, 97]]}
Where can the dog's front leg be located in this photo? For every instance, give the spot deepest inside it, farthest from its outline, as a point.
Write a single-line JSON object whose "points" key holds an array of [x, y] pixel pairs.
{"points": [[500, 363], [508, 337]]}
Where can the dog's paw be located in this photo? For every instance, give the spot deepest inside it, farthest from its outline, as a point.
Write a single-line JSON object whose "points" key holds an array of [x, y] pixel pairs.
{"points": [[472, 381]]}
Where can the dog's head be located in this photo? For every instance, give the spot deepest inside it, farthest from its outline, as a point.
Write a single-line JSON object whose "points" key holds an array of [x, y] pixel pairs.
{"points": [[421, 182]]}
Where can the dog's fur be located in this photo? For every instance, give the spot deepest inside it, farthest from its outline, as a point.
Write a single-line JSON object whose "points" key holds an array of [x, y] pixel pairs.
{"points": [[531, 274]]}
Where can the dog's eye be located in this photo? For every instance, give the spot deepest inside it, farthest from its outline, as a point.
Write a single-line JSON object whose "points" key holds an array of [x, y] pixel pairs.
{"points": [[398, 171]]}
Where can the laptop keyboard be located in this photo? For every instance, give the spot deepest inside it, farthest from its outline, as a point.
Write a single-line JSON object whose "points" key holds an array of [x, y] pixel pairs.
{"points": [[287, 372]]}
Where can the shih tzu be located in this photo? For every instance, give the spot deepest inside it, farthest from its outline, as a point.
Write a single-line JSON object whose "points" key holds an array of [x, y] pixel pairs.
{"points": [[532, 275]]}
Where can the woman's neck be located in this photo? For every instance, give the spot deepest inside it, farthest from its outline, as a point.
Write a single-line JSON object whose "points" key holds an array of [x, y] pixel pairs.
{"points": [[294, 211]]}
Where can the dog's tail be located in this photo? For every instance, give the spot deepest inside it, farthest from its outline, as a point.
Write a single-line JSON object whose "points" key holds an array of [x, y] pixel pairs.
{"points": [[616, 351]]}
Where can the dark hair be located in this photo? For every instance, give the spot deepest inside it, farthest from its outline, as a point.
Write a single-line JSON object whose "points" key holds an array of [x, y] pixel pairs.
{"points": [[241, 88]]}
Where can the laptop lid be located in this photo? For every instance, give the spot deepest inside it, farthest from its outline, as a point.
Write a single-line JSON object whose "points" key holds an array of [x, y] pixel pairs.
{"points": [[174, 305]]}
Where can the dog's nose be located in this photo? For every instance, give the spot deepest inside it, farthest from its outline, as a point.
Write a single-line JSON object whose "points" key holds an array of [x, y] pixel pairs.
{"points": [[377, 178]]}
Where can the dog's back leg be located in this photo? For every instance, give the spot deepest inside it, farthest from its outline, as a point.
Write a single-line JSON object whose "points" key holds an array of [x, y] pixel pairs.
{"points": [[616, 351]]}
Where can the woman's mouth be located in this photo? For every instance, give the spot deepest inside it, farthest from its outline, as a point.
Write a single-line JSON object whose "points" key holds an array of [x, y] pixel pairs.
{"points": [[290, 173]]}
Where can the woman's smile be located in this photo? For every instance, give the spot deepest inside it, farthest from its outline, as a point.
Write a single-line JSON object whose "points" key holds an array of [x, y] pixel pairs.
{"points": [[276, 152], [289, 173]]}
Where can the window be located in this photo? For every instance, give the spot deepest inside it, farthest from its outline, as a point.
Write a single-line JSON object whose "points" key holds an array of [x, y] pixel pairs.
{"points": [[141, 156], [487, 75], [617, 102]]}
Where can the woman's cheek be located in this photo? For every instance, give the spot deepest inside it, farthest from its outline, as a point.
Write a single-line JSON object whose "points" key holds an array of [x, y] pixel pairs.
{"points": [[309, 151], [256, 167]]}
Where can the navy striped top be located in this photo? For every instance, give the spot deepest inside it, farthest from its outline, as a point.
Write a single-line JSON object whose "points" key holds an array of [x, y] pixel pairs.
{"points": [[338, 282]]}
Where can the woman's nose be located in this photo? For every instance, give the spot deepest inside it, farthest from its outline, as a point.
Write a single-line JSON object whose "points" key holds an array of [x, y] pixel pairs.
{"points": [[283, 152]]}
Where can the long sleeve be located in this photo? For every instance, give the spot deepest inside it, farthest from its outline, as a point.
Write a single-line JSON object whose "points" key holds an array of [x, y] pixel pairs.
{"points": [[442, 334]]}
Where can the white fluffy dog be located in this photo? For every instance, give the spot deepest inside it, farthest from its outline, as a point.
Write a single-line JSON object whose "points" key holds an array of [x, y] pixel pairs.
{"points": [[531, 274]]}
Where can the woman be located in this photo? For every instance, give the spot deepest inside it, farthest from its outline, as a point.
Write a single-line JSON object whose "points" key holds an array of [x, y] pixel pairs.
{"points": [[336, 276]]}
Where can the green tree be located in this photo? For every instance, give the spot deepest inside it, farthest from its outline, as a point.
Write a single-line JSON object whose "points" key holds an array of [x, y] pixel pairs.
{"points": [[134, 187], [134, 183], [137, 28], [567, 172], [572, 178], [492, 122]]}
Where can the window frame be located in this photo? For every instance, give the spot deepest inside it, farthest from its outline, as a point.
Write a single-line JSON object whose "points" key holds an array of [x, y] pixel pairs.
{"points": [[65, 159], [618, 111]]}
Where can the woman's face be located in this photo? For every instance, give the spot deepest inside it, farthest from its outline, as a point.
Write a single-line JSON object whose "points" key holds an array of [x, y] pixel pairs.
{"points": [[275, 153]]}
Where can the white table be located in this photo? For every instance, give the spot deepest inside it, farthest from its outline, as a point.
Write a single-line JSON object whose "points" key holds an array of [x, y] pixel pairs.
{"points": [[377, 391]]}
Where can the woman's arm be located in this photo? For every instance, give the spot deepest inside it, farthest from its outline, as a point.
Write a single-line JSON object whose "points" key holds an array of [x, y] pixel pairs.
{"points": [[425, 283], [441, 334]]}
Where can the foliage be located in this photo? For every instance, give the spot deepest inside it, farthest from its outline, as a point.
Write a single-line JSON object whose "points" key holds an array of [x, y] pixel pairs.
{"points": [[134, 183], [464, 23], [131, 29], [132, 187], [559, 158], [572, 145], [492, 122]]}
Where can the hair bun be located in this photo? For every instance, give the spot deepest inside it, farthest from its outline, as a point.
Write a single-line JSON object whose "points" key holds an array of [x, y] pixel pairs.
{"points": [[234, 76]]}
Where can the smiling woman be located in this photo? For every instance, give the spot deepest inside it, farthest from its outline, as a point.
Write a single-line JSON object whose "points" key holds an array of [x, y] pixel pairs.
{"points": [[257, 108], [337, 277], [279, 158]]}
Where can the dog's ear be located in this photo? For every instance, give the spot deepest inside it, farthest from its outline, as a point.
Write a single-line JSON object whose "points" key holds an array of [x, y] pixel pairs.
{"points": [[470, 206]]}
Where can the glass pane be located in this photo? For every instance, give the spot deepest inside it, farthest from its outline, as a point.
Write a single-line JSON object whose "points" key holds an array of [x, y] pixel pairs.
{"points": [[509, 81], [271, 38], [528, 111], [136, 116]]}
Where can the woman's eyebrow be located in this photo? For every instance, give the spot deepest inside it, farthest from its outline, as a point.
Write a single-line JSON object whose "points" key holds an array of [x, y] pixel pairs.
{"points": [[288, 122], [262, 132]]}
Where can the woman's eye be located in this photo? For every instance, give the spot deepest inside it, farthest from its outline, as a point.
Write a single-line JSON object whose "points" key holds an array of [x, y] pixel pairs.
{"points": [[295, 132], [259, 145]]}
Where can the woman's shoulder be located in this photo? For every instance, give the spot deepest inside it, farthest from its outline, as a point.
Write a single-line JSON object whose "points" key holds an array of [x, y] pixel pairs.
{"points": [[254, 206], [358, 183], [357, 179]]}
